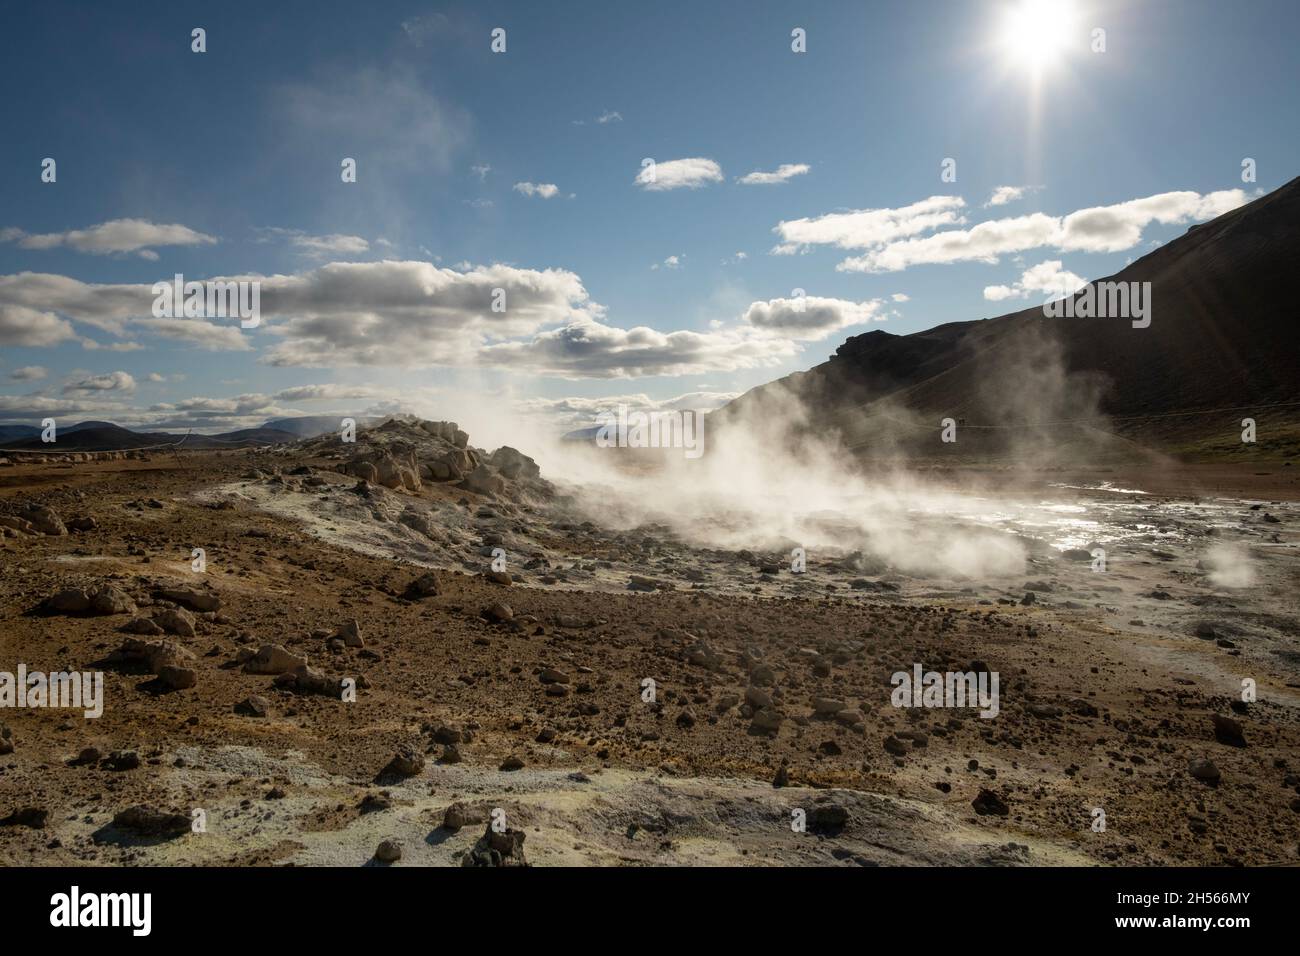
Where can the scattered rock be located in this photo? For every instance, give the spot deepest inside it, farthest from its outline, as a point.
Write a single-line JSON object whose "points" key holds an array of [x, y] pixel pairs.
{"points": [[407, 762], [895, 746], [33, 818], [254, 706], [122, 760], [828, 818], [176, 620], [460, 815], [175, 677], [426, 585], [45, 520], [147, 821], [192, 598], [70, 601], [499, 612], [497, 849], [349, 633], [274, 659], [110, 600], [1228, 731], [988, 803]]}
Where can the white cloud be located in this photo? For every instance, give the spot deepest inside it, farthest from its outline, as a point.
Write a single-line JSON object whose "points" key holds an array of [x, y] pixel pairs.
{"points": [[544, 190], [206, 335], [331, 245], [410, 313], [679, 174], [811, 317], [20, 325], [1005, 194], [481, 171], [784, 173], [115, 236], [28, 373], [109, 382], [1046, 278], [672, 262], [590, 349], [901, 297], [92, 346], [316, 247], [865, 228], [609, 116], [1098, 229]]}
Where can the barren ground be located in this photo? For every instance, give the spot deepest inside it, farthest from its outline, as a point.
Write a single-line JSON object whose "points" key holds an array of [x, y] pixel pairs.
{"points": [[1107, 692]]}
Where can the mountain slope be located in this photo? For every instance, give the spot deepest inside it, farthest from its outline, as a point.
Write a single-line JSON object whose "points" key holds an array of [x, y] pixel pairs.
{"points": [[1221, 338]]}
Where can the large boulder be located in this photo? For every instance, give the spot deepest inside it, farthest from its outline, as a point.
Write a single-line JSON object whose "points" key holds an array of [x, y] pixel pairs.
{"points": [[483, 480], [151, 656], [388, 472], [443, 430], [394, 472], [110, 600], [43, 519], [513, 463]]}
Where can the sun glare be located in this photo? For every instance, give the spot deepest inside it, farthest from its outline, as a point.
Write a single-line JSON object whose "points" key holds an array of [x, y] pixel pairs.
{"points": [[1035, 33]]}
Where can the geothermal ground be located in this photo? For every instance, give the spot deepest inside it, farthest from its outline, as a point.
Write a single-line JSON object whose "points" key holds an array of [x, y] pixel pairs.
{"points": [[524, 691]]}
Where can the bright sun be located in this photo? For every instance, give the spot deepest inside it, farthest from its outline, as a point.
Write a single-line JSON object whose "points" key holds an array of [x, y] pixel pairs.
{"points": [[1035, 33]]}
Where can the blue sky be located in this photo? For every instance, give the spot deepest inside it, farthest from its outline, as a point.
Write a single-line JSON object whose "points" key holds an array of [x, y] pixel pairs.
{"points": [[226, 163]]}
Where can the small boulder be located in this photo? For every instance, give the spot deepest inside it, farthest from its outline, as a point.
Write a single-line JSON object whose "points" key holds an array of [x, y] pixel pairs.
{"points": [[350, 634], [177, 678], [1228, 731], [176, 620], [110, 600], [407, 762], [148, 821], [254, 706], [500, 612], [274, 659], [70, 601], [192, 598], [988, 803]]}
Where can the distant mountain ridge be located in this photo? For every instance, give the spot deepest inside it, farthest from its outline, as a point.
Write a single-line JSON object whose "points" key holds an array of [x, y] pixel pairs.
{"points": [[107, 436]]}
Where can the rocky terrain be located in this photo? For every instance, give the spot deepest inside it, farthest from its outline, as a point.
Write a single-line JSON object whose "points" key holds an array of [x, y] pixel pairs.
{"points": [[383, 647]]}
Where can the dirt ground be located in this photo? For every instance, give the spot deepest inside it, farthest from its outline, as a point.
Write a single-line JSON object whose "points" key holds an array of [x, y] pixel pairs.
{"points": [[1108, 692]]}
